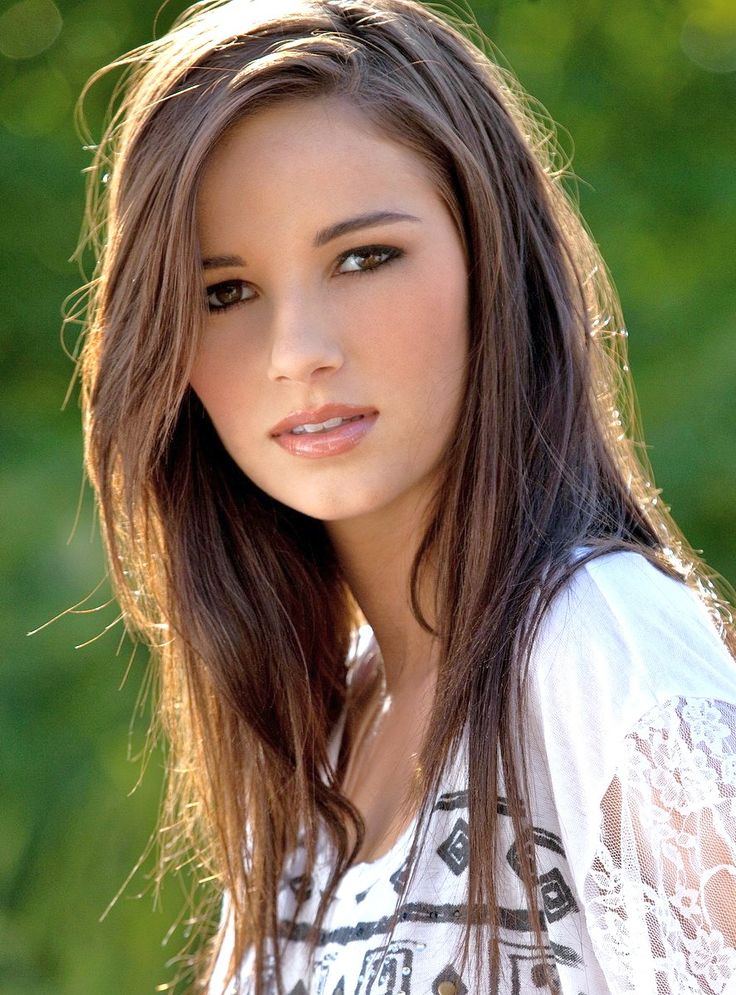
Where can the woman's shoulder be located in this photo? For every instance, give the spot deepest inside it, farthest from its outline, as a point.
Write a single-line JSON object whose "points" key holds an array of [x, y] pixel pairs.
{"points": [[622, 601], [631, 707], [622, 636]]}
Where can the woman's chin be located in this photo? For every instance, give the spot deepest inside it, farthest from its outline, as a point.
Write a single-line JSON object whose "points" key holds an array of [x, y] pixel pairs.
{"points": [[335, 505]]}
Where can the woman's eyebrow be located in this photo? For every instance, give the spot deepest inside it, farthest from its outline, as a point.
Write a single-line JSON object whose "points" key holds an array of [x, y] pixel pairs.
{"points": [[220, 262], [325, 235]]}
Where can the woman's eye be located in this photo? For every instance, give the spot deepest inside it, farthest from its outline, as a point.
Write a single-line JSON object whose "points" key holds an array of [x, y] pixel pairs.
{"points": [[369, 258], [231, 293], [222, 296]]}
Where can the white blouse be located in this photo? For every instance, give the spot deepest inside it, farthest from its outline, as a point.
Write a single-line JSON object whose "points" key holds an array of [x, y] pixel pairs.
{"points": [[632, 757]]}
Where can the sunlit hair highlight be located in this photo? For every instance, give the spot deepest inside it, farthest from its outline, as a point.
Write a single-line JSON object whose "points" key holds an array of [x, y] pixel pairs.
{"points": [[241, 598]]}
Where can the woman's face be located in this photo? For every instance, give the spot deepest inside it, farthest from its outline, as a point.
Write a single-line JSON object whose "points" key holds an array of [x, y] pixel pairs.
{"points": [[311, 308]]}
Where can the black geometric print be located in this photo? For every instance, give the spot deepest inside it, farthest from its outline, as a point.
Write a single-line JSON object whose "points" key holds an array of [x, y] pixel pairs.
{"points": [[398, 878], [296, 883], [386, 972], [449, 976], [540, 981], [565, 955], [543, 838], [455, 850], [421, 912], [527, 972], [557, 898], [459, 799], [450, 800]]}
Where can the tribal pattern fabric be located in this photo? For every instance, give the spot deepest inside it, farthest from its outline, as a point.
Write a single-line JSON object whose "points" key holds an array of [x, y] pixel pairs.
{"points": [[352, 957]]}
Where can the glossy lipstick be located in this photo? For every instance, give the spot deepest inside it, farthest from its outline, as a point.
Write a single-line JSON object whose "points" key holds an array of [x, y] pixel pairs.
{"points": [[324, 442]]}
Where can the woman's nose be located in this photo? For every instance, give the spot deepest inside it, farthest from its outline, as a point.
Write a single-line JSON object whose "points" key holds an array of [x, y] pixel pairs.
{"points": [[302, 345]]}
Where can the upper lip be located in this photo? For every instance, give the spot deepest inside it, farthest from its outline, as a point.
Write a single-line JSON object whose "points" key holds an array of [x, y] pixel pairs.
{"points": [[317, 415]]}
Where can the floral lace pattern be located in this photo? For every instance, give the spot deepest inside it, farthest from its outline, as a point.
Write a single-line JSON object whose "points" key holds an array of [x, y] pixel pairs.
{"points": [[660, 895]]}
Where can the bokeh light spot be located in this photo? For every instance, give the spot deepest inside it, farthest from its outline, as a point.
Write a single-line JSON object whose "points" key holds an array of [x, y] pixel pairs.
{"points": [[29, 28], [709, 38]]}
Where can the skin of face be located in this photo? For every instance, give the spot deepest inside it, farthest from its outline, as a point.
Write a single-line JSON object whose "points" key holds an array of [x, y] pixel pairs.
{"points": [[316, 325]]}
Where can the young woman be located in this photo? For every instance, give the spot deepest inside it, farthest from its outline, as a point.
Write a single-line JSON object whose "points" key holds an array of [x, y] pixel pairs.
{"points": [[451, 702]]}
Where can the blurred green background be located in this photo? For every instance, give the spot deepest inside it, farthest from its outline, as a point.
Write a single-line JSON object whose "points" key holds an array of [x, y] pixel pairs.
{"points": [[645, 94]]}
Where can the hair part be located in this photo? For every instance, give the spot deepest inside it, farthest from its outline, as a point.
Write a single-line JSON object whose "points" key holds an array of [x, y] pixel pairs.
{"points": [[241, 597]]}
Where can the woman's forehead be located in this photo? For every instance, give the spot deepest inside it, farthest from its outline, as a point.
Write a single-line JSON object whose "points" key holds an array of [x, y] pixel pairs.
{"points": [[294, 126], [303, 153]]}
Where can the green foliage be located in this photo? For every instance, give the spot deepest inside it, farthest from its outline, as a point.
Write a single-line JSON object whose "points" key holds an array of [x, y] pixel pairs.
{"points": [[644, 94]]}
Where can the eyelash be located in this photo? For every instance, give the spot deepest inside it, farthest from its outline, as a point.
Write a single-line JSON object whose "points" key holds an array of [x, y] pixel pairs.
{"points": [[364, 250]]}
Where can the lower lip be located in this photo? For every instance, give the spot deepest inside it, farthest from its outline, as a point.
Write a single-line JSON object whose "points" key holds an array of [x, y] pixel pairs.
{"points": [[315, 445]]}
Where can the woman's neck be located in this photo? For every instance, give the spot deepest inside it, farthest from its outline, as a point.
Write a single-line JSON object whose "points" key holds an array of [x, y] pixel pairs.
{"points": [[376, 555]]}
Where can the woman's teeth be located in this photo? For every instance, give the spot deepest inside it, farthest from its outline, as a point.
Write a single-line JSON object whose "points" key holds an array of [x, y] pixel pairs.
{"points": [[324, 426]]}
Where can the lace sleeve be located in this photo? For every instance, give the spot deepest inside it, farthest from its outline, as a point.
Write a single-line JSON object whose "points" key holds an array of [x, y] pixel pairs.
{"points": [[660, 893]]}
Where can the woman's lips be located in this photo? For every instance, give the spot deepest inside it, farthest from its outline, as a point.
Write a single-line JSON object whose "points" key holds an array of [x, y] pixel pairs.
{"points": [[318, 415], [332, 442]]}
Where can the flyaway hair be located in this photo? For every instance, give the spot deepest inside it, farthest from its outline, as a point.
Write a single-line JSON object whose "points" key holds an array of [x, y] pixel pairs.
{"points": [[240, 597]]}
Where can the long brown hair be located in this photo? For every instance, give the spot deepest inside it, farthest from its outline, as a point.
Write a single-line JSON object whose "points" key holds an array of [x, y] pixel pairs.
{"points": [[241, 597]]}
